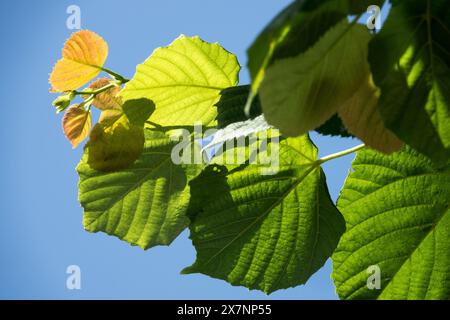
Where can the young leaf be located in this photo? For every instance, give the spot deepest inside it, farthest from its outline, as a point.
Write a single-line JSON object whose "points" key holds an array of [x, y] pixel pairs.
{"points": [[264, 232], [410, 63], [83, 55], [397, 215], [299, 94], [63, 101], [184, 80], [106, 100], [145, 204], [362, 118], [76, 124], [114, 145], [118, 139]]}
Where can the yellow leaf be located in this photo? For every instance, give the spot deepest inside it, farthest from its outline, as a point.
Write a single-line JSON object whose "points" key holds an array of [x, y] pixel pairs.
{"points": [[114, 145], [118, 139], [107, 100], [362, 118], [83, 55], [111, 115], [76, 124]]}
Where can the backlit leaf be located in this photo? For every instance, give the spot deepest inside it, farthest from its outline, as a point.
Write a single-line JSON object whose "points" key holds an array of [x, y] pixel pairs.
{"points": [[108, 99], [264, 232], [114, 146], [295, 29], [83, 55], [145, 204], [299, 94], [410, 63], [76, 124], [118, 139], [184, 80], [397, 213]]}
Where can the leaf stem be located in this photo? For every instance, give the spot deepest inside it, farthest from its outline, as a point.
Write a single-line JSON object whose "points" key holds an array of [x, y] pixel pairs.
{"points": [[93, 93], [116, 76], [340, 153], [97, 91], [248, 103]]}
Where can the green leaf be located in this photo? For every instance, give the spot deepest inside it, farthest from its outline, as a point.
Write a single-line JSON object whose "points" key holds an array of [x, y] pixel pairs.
{"points": [[118, 139], [295, 29], [264, 232], [290, 33], [63, 101], [230, 107], [138, 111], [397, 217], [145, 204], [184, 80], [299, 94], [410, 63]]}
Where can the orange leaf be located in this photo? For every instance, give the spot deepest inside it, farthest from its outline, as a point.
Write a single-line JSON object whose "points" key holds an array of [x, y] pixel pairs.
{"points": [[76, 124], [83, 55], [108, 99]]}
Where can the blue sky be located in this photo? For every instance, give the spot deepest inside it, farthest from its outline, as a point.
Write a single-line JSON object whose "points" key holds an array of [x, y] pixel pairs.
{"points": [[41, 229]]}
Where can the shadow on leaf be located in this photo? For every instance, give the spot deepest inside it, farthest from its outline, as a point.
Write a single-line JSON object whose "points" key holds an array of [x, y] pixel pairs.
{"points": [[117, 141]]}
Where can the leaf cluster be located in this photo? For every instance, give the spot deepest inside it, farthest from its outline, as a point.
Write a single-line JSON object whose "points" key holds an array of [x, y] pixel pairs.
{"points": [[314, 67]]}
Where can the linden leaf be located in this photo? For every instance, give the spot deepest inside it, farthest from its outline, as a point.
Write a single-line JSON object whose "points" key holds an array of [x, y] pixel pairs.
{"points": [[265, 232], [397, 215], [299, 94], [410, 63], [138, 111], [145, 204], [295, 29], [83, 56], [184, 80], [118, 139], [105, 100], [76, 124], [116, 146], [110, 115], [362, 118]]}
